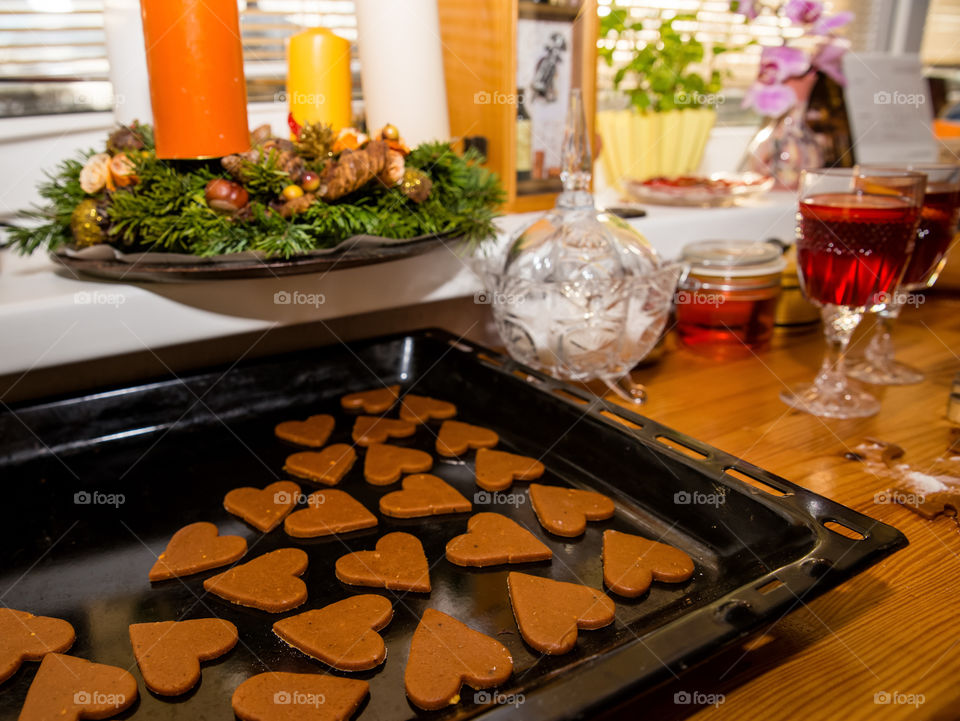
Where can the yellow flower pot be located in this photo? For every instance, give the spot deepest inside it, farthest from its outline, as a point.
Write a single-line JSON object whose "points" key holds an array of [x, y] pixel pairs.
{"points": [[645, 145]]}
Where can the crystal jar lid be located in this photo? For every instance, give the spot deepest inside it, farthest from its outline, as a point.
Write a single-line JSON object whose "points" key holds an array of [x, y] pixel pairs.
{"points": [[734, 258]]}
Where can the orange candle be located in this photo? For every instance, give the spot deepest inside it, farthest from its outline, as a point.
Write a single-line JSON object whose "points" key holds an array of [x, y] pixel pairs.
{"points": [[318, 78], [197, 87]]}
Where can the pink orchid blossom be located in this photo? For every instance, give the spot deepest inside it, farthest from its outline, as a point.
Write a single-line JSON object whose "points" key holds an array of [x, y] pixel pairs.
{"points": [[803, 12], [829, 61], [748, 8], [828, 23], [779, 63], [770, 100]]}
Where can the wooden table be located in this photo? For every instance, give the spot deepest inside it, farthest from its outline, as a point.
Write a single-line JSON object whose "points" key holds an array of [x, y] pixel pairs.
{"points": [[894, 629]]}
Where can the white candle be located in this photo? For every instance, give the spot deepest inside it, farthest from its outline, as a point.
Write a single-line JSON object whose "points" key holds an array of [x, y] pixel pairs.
{"points": [[128, 61], [401, 68]]}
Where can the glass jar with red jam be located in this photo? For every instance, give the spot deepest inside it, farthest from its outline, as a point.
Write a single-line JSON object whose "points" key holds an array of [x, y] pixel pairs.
{"points": [[727, 297]]}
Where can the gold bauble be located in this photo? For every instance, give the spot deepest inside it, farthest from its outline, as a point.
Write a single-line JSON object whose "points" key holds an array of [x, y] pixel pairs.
{"points": [[415, 184], [85, 223]]}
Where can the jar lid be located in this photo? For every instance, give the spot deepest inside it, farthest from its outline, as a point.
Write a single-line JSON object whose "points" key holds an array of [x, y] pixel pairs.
{"points": [[734, 258]]}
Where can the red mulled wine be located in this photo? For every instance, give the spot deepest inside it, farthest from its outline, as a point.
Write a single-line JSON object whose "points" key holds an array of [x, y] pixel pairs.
{"points": [[854, 246], [938, 224]]}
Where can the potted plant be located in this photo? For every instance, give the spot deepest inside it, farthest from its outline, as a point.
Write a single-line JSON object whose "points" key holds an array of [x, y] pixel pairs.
{"points": [[671, 104]]}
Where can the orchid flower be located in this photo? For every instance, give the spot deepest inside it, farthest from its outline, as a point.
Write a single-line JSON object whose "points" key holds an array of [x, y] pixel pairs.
{"points": [[770, 100], [769, 95], [748, 8], [803, 12], [827, 24], [829, 61]]}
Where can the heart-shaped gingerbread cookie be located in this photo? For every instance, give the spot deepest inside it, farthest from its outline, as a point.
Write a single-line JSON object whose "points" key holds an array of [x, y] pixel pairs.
{"points": [[445, 654], [384, 464], [565, 511], [328, 466], [631, 563], [195, 548], [264, 509], [67, 688], [374, 429], [343, 634], [420, 409], [269, 582], [282, 696], [492, 539], [329, 512], [497, 470], [398, 564], [373, 401], [312, 432], [423, 495], [455, 438], [25, 637], [549, 612], [169, 652]]}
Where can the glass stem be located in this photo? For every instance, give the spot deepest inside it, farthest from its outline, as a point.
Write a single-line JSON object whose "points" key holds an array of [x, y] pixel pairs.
{"points": [[839, 322], [880, 352]]}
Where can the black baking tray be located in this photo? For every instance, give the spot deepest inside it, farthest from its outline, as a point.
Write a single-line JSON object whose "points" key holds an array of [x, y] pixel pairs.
{"points": [[174, 447]]}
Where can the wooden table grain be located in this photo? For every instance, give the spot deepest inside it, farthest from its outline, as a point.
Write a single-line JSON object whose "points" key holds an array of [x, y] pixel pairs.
{"points": [[885, 644]]}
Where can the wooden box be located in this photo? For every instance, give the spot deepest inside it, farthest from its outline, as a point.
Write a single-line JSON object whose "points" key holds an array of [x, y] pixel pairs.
{"points": [[481, 58]]}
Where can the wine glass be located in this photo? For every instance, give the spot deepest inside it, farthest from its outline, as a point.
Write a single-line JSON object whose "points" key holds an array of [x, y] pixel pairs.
{"points": [[935, 233], [855, 234]]}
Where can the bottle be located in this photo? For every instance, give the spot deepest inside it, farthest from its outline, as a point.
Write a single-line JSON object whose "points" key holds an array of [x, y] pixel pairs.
{"points": [[524, 140]]}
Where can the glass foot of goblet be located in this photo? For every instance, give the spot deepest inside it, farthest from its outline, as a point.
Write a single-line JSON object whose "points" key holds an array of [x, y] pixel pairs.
{"points": [[890, 373], [829, 400]]}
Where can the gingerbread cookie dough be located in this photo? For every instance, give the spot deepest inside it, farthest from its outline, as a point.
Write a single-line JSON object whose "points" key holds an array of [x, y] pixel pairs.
{"points": [[493, 539], [342, 635], [329, 512], [264, 509], [631, 563], [445, 654], [384, 464], [455, 438], [398, 564], [565, 511], [25, 637], [497, 470], [169, 652], [423, 495], [373, 401], [373, 429], [549, 612], [269, 582], [312, 432], [328, 466], [67, 688], [195, 548], [281, 696], [420, 409]]}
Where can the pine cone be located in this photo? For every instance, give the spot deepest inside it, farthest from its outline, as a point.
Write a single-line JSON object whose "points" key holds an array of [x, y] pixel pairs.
{"points": [[124, 138]]}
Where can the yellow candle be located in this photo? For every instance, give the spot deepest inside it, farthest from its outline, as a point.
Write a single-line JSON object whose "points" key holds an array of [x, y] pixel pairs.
{"points": [[318, 78], [197, 87]]}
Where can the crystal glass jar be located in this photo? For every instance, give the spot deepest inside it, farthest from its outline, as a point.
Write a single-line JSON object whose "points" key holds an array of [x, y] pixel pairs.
{"points": [[580, 294]]}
